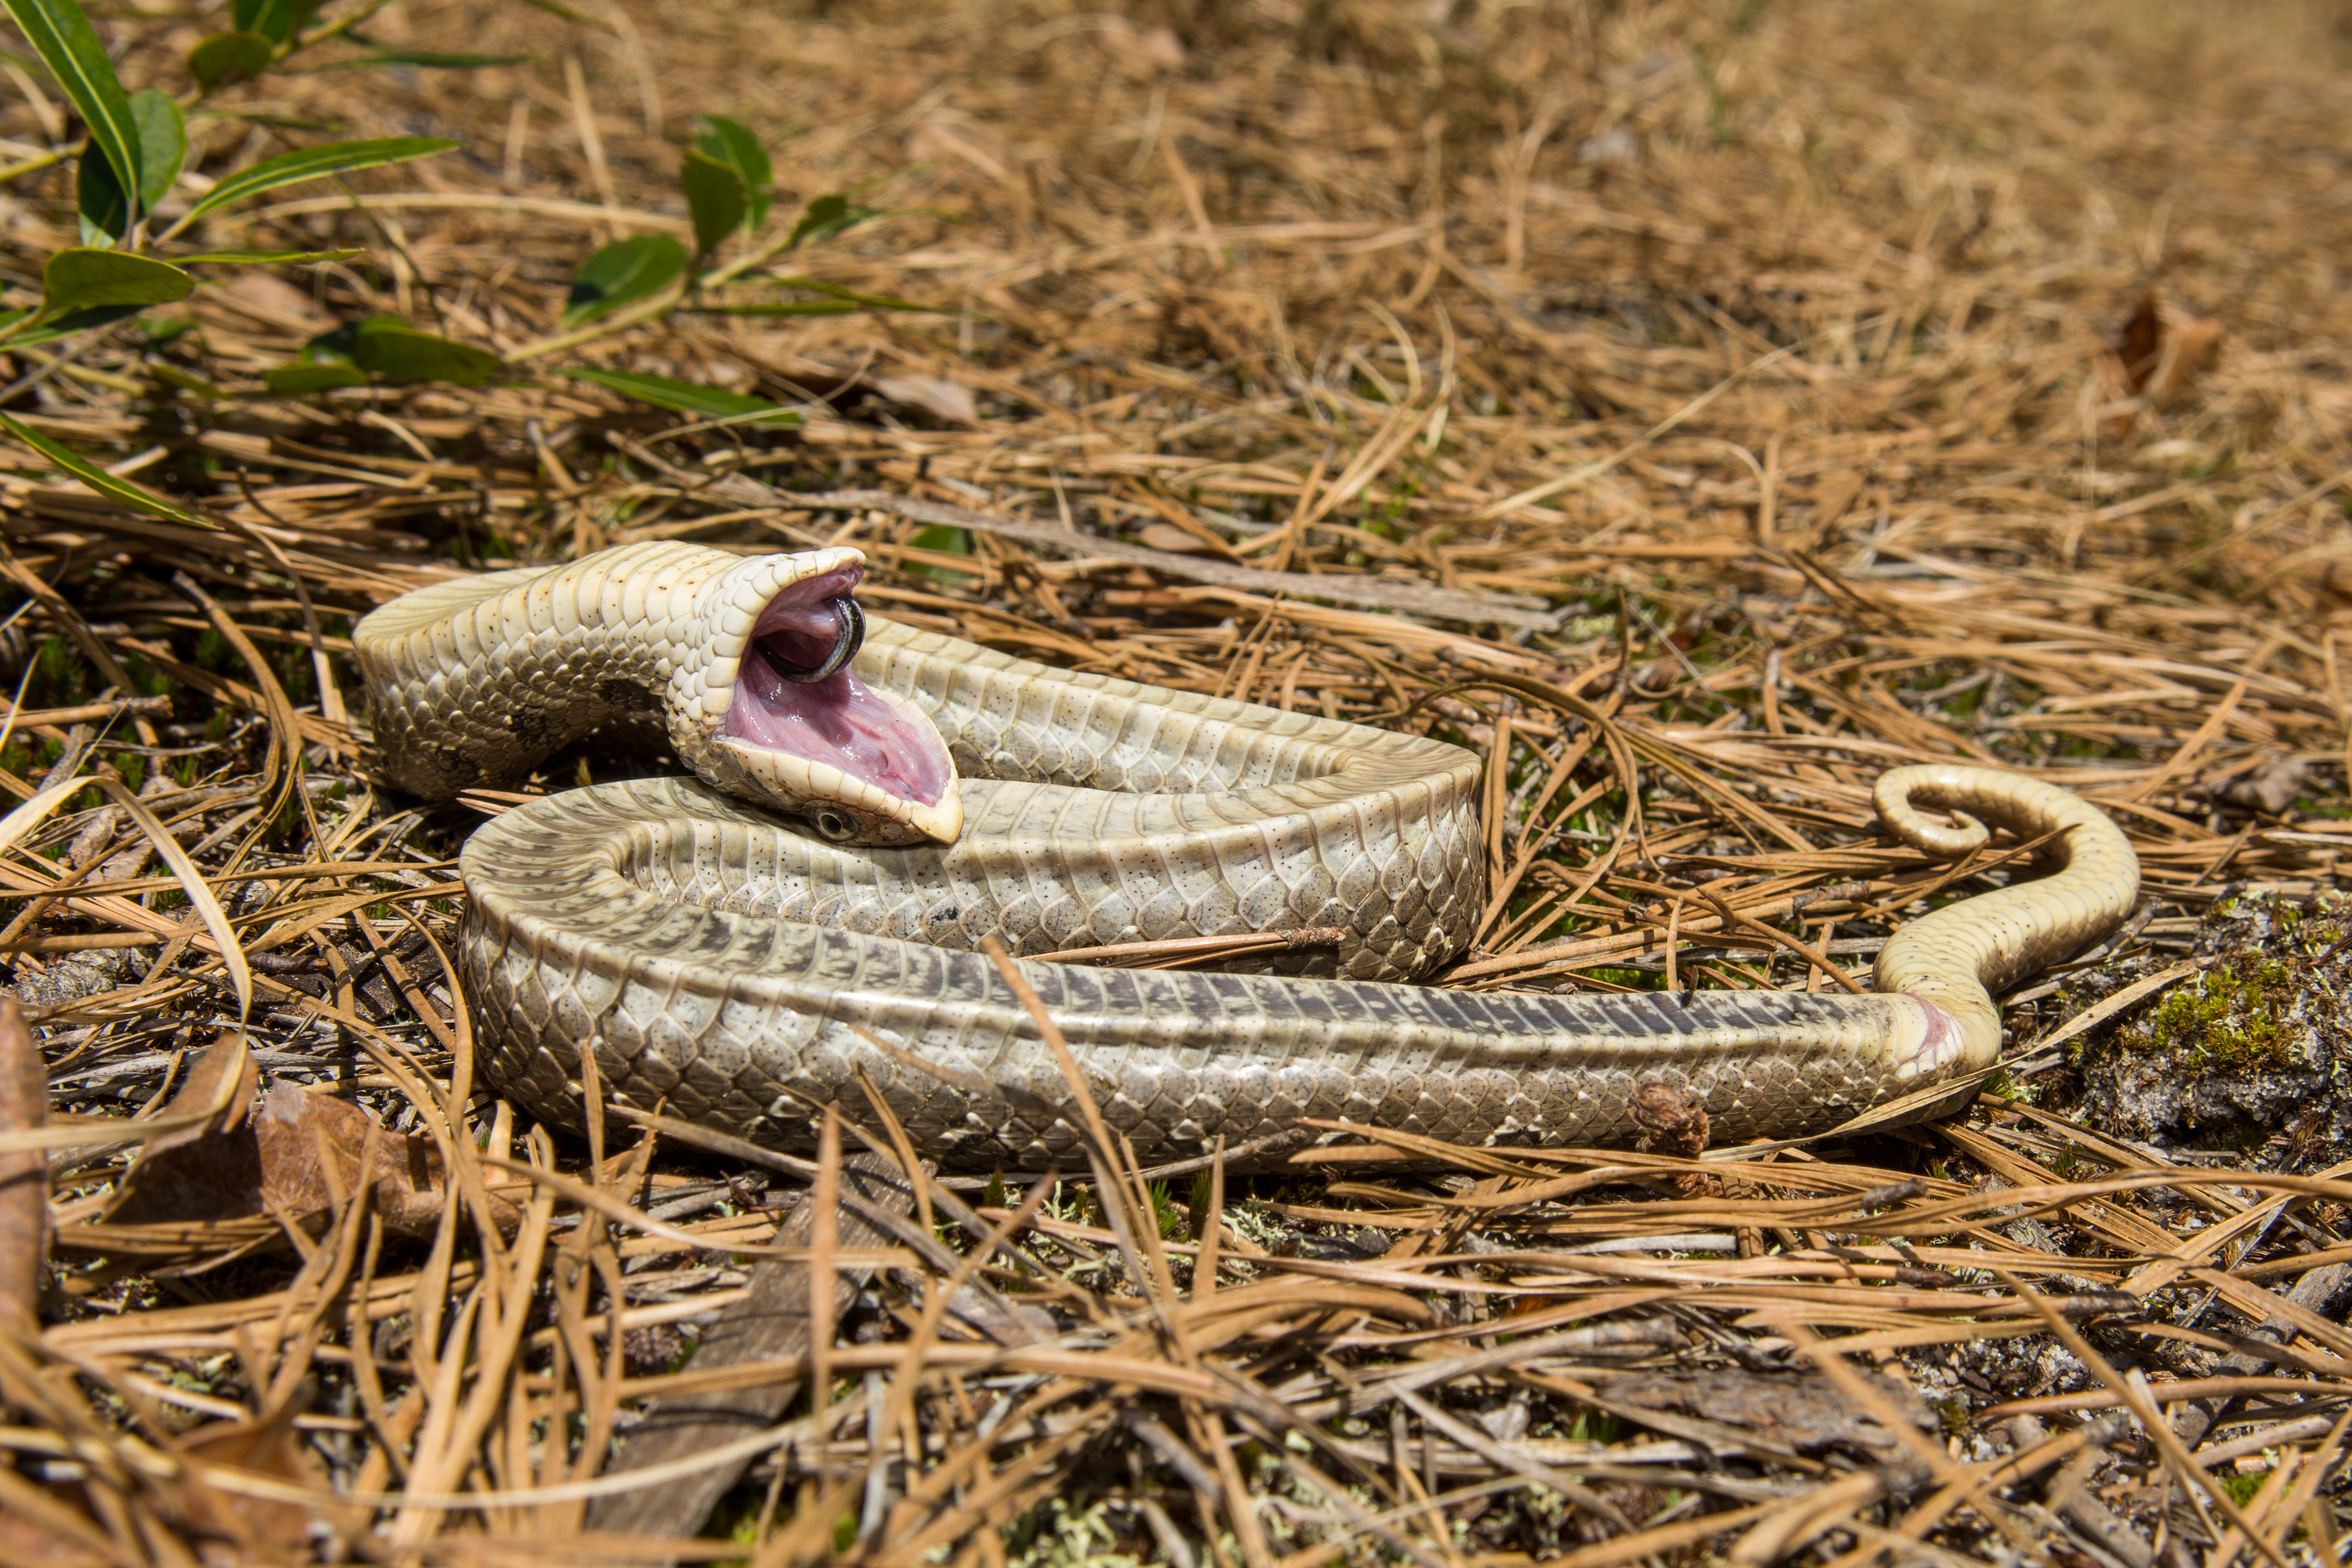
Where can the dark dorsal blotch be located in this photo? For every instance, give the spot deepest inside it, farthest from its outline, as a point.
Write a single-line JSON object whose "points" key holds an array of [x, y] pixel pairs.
{"points": [[456, 767], [626, 695]]}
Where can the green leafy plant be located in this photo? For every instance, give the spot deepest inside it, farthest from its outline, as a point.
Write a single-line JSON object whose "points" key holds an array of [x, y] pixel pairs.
{"points": [[727, 178], [133, 156], [622, 274], [137, 147], [686, 397]]}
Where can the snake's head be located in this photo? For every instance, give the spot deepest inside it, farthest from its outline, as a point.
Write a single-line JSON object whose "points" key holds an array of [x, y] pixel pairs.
{"points": [[770, 707]]}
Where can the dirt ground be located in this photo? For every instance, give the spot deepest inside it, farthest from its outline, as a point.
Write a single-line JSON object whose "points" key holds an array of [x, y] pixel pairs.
{"points": [[1695, 409]]}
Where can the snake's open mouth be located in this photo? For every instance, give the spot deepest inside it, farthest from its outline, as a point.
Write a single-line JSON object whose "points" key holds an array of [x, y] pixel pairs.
{"points": [[797, 697]]}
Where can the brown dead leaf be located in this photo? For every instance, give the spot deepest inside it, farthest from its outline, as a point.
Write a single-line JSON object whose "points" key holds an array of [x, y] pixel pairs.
{"points": [[262, 1530], [2192, 346], [1801, 1410], [50, 1527], [947, 399], [2271, 788], [27, 1543], [23, 1177], [299, 1154], [312, 1144], [2160, 353], [2139, 342], [196, 1172]]}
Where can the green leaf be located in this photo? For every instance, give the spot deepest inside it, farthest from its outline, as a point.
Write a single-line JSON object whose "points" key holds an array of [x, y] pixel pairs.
{"points": [[420, 59], [122, 492], [386, 346], [101, 210], [71, 323], [80, 278], [99, 201], [69, 45], [300, 380], [730, 143], [621, 274], [827, 215], [685, 397], [716, 195], [325, 361], [946, 539], [334, 346], [163, 145], [273, 19], [266, 257], [226, 58], [315, 164]]}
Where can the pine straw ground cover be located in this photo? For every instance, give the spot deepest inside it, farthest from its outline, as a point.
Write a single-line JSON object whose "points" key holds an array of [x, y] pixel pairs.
{"points": [[1749, 393]]}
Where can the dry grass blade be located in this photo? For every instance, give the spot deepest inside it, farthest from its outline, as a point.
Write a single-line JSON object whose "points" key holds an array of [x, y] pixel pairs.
{"points": [[24, 1185]]}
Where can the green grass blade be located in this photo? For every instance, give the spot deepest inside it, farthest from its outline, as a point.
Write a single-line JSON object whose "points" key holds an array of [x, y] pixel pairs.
{"points": [[265, 258], [70, 324], [122, 492], [69, 47], [685, 397], [315, 164]]}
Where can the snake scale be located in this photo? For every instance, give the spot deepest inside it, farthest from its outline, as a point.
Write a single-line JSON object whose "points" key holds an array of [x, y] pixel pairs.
{"points": [[876, 800]]}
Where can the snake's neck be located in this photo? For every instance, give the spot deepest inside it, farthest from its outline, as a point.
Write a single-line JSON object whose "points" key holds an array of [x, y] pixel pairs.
{"points": [[477, 679], [746, 661]]}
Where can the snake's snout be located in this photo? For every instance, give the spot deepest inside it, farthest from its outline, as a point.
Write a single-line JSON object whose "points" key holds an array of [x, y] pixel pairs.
{"points": [[779, 715]]}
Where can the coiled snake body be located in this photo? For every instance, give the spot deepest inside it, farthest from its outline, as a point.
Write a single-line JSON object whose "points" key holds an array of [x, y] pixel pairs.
{"points": [[735, 959]]}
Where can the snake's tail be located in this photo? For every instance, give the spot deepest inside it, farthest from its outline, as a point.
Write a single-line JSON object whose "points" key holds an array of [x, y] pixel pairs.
{"points": [[1954, 957]]}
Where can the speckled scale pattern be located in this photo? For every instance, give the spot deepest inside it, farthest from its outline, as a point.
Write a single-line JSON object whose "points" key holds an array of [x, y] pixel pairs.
{"points": [[476, 680], [714, 961], [720, 963]]}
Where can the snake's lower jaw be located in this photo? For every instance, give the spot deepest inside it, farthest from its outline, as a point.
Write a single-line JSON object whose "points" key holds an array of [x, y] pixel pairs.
{"points": [[885, 778], [777, 712]]}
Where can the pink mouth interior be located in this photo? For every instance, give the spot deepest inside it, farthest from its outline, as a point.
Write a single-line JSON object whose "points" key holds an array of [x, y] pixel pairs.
{"points": [[838, 720]]}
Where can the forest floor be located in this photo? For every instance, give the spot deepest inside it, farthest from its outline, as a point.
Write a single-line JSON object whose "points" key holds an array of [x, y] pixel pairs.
{"points": [[1695, 409]]}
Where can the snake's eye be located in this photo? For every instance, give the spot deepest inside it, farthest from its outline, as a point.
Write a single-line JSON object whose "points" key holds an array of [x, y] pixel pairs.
{"points": [[833, 825]]}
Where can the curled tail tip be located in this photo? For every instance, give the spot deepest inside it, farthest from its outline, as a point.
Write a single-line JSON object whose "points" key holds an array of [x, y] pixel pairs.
{"points": [[1971, 792]]}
